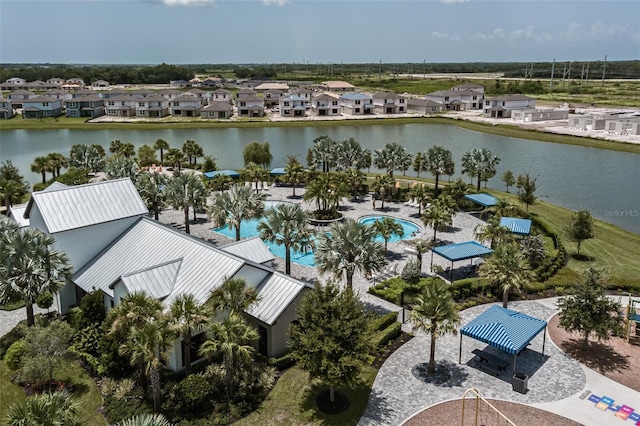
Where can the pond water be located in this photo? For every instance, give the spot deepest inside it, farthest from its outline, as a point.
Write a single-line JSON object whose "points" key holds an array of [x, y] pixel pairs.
{"points": [[602, 181]]}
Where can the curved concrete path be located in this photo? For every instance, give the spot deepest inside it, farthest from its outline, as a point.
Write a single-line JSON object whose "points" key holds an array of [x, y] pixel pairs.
{"points": [[556, 381]]}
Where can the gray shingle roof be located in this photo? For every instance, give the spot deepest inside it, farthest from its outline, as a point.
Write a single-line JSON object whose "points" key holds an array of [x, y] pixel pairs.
{"points": [[84, 205]]}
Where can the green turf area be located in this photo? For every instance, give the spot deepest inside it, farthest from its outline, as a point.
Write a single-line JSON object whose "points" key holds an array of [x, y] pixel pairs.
{"points": [[292, 402], [85, 392]]}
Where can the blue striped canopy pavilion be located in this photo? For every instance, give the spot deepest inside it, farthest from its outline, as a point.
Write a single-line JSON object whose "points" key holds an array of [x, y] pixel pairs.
{"points": [[230, 173], [504, 329], [516, 225], [461, 251]]}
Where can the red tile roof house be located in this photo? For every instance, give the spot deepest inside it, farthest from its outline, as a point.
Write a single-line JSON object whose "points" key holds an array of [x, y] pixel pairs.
{"points": [[389, 103], [41, 106]]}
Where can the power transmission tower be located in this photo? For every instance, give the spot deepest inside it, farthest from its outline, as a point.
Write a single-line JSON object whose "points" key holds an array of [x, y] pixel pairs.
{"points": [[584, 77], [553, 68], [604, 69], [566, 74]]}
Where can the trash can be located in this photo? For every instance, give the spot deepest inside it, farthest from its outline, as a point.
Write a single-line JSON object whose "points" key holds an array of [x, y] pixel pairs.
{"points": [[519, 382]]}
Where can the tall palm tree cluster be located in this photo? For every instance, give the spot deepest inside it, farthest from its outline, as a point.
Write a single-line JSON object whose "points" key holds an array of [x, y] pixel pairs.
{"points": [[29, 265], [148, 331]]}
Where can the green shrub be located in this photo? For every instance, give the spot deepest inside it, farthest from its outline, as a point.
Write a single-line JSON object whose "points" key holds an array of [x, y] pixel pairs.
{"points": [[74, 317], [285, 361], [411, 272], [192, 392], [384, 321], [15, 354], [44, 300], [383, 337], [12, 336], [93, 310]]}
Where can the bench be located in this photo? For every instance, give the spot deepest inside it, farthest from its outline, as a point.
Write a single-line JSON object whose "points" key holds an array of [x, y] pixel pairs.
{"points": [[490, 363]]}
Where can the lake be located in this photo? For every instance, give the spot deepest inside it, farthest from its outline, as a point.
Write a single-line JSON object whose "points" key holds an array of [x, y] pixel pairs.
{"points": [[605, 182]]}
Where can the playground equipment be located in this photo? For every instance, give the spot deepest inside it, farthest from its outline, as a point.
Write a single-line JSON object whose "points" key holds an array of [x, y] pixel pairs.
{"points": [[632, 315]]}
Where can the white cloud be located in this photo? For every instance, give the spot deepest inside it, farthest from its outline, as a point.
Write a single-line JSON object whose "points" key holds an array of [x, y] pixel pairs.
{"points": [[275, 2], [187, 2], [453, 1], [526, 33], [445, 36], [600, 30]]}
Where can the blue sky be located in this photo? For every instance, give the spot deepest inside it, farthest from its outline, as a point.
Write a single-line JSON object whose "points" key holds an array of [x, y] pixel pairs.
{"points": [[320, 31]]}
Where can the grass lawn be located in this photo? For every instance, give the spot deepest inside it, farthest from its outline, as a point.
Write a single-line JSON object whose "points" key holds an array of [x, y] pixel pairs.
{"points": [[85, 392], [12, 306], [613, 249], [292, 402]]}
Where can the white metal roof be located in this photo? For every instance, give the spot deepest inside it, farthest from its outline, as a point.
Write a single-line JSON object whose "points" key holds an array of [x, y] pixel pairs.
{"points": [[253, 249], [84, 205], [158, 280], [147, 245], [276, 293], [17, 214]]}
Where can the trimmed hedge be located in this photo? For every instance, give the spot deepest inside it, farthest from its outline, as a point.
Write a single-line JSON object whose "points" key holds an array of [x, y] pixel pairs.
{"points": [[391, 289], [285, 361], [384, 321], [381, 338]]}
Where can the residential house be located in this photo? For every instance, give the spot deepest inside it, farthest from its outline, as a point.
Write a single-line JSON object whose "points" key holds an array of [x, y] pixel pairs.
{"points": [[326, 104], [142, 93], [153, 106], [469, 86], [41, 106], [73, 84], [423, 106], [211, 82], [83, 92], [292, 106], [170, 94], [221, 95], [16, 81], [121, 106], [38, 86], [17, 97], [202, 94], [114, 93], [356, 104], [337, 86], [58, 94], [501, 106], [186, 105], [457, 100], [119, 250], [389, 103], [264, 87], [6, 108], [86, 106], [245, 92], [272, 97], [220, 109], [17, 211], [304, 94], [250, 106], [180, 84], [55, 82], [528, 115]]}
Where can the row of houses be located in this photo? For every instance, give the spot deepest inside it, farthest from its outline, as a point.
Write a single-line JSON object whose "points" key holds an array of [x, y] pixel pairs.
{"points": [[117, 249], [17, 83]]}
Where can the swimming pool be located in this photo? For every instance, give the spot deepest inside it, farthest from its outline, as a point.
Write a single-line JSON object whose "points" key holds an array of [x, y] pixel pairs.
{"points": [[409, 229], [249, 228]]}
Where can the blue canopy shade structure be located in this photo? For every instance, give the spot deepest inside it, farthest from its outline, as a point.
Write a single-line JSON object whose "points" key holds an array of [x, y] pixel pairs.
{"points": [[517, 225], [504, 329], [485, 200], [231, 173], [277, 171], [461, 251]]}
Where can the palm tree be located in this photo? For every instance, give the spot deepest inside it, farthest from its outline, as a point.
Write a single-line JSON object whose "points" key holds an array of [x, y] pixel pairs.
{"points": [[118, 167], [12, 185], [233, 296], [294, 174], [161, 145], [386, 227], [46, 409], [232, 338], [420, 193], [392, 156], [506, 269], [323, 152], [255, 174], [439, 216], [197, 194], [327, 189], [88, 157], [493, 232], [192, 150], [232, 207], [384, 185], [439, 161], [479, 162], [57, 161], [349, 155], [145, 420], [186, 318], [40, 165], [349, 247], [29, 266], [150, 346], [175, 158], [354, 178], [184, 191], [151, 189], [436, 313], [503, 208], [286, 225]]}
